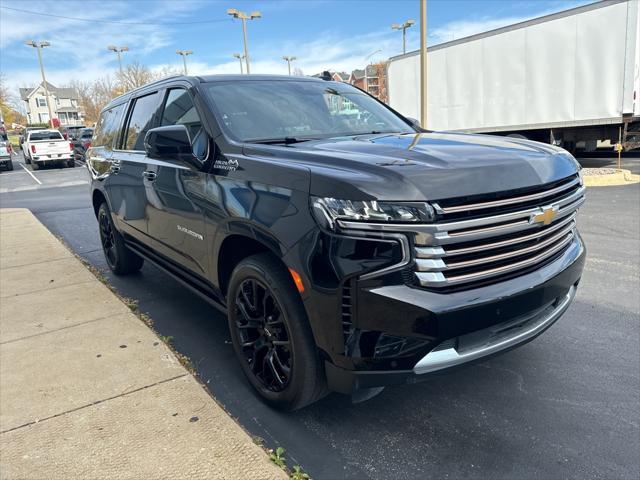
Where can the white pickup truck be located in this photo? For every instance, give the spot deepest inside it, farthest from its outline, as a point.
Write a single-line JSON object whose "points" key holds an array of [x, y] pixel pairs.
{"points": [[47, 146]]}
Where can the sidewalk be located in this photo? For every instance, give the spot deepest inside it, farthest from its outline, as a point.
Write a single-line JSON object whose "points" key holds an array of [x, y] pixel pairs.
{"points": [[87, 390]]}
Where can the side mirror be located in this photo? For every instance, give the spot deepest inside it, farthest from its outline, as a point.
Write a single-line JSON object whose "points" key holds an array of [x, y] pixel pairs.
{"points": [[171, 142], [415, 122]]}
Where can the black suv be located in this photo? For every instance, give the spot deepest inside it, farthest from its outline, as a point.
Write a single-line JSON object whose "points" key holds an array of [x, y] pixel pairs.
{"points": [[349, 249]]}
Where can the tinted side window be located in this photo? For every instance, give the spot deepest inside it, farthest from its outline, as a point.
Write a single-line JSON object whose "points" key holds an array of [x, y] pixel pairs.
{"points": [[108, 127], [180, 110], [140, 121]]}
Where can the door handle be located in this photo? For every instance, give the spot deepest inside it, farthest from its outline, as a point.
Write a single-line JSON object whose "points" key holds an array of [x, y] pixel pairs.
{"points": [[115, 166], [151, 176]]}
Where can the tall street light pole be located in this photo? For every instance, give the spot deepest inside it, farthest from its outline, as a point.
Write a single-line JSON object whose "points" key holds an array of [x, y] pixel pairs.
{"points": [[403, 27], [119, 51], [289, 60], [184, 54], [423, 63], [244, 17], [39, 46], [240, 58]]}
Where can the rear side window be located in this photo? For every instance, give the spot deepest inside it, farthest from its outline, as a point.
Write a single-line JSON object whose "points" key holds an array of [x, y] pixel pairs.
{"points": [[45, 136], [140, 121], [180, 110], [108, 127]]}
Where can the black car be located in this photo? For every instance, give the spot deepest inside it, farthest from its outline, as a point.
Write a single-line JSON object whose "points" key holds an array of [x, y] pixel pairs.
{"points": [[349, 249], [81, 143], [71, 132]]}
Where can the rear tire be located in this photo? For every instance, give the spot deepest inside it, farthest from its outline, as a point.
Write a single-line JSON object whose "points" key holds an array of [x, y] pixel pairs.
{"points": [[71, 163], [35, 165], [120, 259], [271, 334]]}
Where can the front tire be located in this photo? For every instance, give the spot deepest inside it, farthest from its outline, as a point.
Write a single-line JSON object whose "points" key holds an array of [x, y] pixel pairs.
{"points": [[120, 259], [10, 165], [271, 335]]}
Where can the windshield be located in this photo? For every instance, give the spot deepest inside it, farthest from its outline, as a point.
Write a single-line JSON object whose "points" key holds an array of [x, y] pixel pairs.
{"points": [[45, 136], [269, 110], [87, 133]]}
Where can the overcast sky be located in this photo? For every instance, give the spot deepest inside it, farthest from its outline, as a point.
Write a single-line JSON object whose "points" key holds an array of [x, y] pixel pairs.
{"points": [[323, 34]]}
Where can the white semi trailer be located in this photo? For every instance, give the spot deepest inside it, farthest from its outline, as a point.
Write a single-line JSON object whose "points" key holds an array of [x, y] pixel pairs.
{"points": [[571, 78]]}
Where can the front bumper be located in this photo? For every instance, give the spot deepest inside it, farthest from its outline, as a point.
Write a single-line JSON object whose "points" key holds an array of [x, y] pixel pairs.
{"points": [[4, 160], [455, 328], [492, 340]]}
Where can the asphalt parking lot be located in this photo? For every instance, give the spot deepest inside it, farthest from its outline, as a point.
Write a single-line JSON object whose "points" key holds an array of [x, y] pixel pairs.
{"points": [[24, 178], [563, 406]]}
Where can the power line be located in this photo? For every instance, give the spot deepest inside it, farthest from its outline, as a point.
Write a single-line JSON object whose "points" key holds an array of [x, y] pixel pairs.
{"points": [[91, 20]]}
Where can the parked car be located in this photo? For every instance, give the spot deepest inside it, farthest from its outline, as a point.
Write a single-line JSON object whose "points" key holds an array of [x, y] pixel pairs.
{"points": [[26, 131], [81, 143], [347, 255], [70, 132], [47, 146], [5, 154]]}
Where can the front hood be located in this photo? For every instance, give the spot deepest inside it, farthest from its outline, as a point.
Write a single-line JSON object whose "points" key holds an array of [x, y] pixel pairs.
{"points": [[428, 166]]}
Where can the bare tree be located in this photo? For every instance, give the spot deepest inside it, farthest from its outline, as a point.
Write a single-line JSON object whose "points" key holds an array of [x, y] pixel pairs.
{"points": [[164, 72], [85, 99], [133, 75], [4, 90], [93, 96], [10, 105]]}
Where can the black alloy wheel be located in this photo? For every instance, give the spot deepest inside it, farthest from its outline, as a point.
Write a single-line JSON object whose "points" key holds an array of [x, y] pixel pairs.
{"points": [[107, 237], [271, 334], [121, 260], [263, 335]]}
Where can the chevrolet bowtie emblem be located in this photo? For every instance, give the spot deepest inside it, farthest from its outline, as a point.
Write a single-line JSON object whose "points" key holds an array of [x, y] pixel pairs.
{"points": [[546, 217]]}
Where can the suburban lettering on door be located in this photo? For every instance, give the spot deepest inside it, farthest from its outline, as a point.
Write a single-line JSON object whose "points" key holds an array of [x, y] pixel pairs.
{"points": [[190, 232]]}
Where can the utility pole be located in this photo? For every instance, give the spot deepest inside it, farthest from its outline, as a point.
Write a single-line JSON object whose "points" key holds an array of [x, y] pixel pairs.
{"points": [[289, 60], [39, 46], [184, 54], [423, 63], [244, 17], [240, 58], [119, 51], [403, 27]]}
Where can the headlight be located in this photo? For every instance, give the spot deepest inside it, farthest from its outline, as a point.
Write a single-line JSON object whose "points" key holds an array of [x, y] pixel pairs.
{"points": [[328, 210]]}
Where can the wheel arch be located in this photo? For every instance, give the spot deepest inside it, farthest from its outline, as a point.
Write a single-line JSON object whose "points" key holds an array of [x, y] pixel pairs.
{"points": [[234, 248], [97, 198]]}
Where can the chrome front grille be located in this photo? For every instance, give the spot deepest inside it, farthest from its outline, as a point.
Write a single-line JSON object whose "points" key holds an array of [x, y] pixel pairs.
{"points": [[483, 240]]}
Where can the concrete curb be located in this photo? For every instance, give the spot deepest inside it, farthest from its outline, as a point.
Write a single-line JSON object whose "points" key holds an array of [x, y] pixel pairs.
{"points": [[621, 177], [87, 390]]}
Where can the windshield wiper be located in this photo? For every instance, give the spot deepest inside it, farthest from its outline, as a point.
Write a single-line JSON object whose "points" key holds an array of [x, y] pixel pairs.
{"points": [[378, 132], [285, 140]]}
